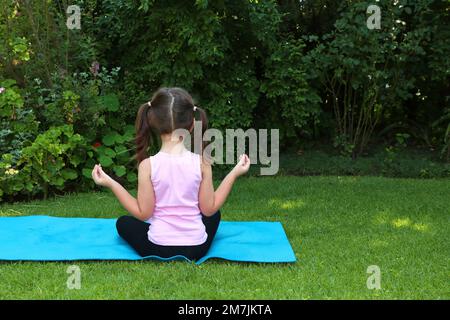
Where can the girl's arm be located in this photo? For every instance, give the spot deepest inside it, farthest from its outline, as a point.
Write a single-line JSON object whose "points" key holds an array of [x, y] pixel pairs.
{"points": [[210, 201], [142, 207]]}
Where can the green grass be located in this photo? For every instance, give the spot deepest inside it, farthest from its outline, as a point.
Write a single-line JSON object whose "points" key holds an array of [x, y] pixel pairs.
{"points": [[338, 226]]}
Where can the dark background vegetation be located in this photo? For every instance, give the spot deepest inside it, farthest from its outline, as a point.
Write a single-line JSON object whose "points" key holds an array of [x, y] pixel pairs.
{"points": [[346, 99]]}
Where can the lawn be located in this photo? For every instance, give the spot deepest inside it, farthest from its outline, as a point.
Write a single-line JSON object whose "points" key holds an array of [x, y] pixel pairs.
{"points": [[338, 226]]}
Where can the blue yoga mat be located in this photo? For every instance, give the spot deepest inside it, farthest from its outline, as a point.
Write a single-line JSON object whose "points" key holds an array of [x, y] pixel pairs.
{"points": [[44, 238]]}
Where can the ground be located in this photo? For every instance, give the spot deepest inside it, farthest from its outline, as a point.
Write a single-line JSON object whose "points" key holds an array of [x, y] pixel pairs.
{"points": [[337, 226]]}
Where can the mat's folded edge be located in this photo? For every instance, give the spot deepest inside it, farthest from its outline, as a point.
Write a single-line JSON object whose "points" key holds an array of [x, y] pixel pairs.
{"points": [[289, 260], [154, 258], [173, 258]]}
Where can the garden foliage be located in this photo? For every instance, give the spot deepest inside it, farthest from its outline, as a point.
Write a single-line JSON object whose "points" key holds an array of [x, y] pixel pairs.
{"points": [[313, 69]]}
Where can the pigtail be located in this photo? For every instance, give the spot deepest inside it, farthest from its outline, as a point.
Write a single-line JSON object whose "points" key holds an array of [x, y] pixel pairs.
{"points": [[143, 132], [204, 120]]}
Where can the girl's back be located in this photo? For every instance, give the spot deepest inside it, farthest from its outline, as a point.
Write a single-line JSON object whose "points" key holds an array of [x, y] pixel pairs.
{"points": [[176, 211], [176, 181]]}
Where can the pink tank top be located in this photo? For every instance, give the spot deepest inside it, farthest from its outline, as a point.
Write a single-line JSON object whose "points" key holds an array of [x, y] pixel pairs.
{"points": [[176, 220]]}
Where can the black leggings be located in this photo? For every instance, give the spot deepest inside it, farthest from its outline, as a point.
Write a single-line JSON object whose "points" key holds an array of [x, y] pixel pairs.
{"points": [[134, 232]]}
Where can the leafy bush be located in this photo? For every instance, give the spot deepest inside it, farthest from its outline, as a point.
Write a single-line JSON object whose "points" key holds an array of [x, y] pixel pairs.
{"points": [[202, 47], [53, 157], [86, 100], [389, 162], [309, 68], [18, 126], [14, 181], [290, 98], [113, 153]]}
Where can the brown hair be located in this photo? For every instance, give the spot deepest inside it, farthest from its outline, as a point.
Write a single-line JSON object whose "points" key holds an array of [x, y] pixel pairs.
{"points": [[168, 110]]}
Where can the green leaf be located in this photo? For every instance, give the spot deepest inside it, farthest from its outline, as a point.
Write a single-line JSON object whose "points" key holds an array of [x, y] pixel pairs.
{"points": [[58, 181], [120, 171], [131, 177], [69, 174], [120, 149], [105, 161], [87, 172], [110, 102], [202, 4], [109, 152], [75, 160], [109, 139], [120, 138], [8, 83], [29, 187], [129, 133]]}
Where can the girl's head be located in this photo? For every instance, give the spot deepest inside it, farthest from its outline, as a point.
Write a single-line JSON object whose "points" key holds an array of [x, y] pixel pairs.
{"points": [[168, 110]]}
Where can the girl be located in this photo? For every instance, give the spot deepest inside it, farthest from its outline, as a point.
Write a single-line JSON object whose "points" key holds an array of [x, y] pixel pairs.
{"points": [[176, 211]]}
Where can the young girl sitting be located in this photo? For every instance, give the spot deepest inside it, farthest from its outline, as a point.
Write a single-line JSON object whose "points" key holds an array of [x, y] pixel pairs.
{"points": [[176, 211]]}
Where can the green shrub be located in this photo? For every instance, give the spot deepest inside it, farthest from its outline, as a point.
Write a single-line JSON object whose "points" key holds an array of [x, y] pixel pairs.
{"points": [[86, 99], [18, 126], [389, 161], [13, 180], [53, 158], [113, 153]]}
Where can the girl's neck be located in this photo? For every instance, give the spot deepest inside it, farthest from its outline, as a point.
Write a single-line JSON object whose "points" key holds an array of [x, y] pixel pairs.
{"points": [[170, 146]]}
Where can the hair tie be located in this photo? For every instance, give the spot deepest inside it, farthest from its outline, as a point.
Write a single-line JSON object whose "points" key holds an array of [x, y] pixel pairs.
{"points": [[195, 108], [149, 104]]}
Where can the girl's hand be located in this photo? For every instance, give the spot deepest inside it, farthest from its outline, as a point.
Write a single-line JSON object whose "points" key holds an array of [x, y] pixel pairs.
{"points": [[242, 166], [100, 177]]}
